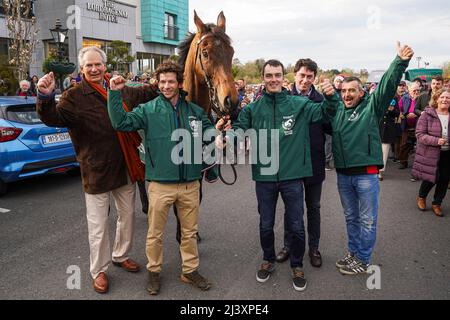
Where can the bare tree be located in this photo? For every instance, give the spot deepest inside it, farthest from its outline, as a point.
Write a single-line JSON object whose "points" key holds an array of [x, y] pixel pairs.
{"points": [[23, 34]]}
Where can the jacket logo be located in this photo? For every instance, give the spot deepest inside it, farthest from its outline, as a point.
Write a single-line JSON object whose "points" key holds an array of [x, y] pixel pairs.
{"points": [[288, 125], [354, 117]]}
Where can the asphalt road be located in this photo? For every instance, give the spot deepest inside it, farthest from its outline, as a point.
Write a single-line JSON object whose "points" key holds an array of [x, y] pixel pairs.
{"points": [[44, 233]]}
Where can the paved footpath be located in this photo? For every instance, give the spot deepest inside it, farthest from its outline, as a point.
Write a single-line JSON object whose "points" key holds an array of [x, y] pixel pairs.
{"points": [[43, 235]]}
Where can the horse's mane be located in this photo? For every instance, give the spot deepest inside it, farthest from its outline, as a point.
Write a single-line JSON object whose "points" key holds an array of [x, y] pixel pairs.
{"points": [[185, 45]]}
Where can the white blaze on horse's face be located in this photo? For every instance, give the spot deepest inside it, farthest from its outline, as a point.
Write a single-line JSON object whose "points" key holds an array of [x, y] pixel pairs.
{"points": [[169, 86], [273, 78]]}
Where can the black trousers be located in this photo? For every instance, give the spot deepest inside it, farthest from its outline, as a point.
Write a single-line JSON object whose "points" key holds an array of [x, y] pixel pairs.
{"points": [[313, 193], [442, 180]]}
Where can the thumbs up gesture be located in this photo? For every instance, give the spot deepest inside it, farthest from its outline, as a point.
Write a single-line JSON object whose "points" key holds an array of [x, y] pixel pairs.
{"points": [[404, 52], [46, 85], [326, 87]]}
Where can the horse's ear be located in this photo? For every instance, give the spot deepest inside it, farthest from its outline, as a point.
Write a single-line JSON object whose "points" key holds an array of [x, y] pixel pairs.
{"points": [[201, 28], [221, 21]]}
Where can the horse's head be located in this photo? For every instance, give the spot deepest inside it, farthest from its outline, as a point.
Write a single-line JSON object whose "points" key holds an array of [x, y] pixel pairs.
{"points": [[210, 60]]}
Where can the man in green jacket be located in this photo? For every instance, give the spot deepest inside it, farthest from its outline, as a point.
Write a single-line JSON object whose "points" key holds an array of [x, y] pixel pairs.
{"points": [[172, 180], [280, 123], [358, 157]]}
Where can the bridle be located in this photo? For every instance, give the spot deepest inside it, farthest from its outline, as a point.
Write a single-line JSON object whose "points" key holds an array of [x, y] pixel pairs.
{"points": [[214, 104], [212, 91]]}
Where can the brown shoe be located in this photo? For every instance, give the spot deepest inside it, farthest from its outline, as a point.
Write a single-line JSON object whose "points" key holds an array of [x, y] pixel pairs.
{"points": [[154, 283], [129, 265], [421, 203], [283, 255], [101, 283], [197, 280], [437, 210], [315, 258]]}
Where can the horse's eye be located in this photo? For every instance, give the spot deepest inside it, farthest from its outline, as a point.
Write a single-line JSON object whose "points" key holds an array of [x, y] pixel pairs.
{"points": [[205, 54]]}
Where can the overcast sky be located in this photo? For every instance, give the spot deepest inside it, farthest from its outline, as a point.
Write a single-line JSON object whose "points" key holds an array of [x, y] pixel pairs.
{"points": [[335, 33]]}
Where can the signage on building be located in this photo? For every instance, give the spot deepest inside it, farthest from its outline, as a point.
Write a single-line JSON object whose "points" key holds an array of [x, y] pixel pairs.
{"points": [[107, 11]]}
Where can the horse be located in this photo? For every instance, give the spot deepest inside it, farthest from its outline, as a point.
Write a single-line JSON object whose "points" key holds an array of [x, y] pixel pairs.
{"points": [[206, 57]]}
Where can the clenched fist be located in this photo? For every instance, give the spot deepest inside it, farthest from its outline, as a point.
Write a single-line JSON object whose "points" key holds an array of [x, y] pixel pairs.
{"points": [[46, 85], [117, 83]]}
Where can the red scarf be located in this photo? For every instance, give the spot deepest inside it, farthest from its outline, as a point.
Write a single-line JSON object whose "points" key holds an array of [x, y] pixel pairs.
{"points": [[129, 141]]}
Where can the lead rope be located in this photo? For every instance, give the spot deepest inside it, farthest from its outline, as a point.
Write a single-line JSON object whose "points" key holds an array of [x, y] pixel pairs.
{"points": [[214, 104]]}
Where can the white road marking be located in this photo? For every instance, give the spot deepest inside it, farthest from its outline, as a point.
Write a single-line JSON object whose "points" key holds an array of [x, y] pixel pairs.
{"points": [[4, 210]]}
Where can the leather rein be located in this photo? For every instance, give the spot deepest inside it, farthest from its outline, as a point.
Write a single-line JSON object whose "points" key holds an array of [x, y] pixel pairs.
{"points": [[214, 104]]}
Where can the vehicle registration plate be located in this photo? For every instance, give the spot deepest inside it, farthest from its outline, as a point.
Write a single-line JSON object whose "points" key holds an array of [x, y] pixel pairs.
{"points": [[56, 138]]}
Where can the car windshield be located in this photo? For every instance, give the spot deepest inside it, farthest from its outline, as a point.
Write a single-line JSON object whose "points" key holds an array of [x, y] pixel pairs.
{"points": [[25, 114]]}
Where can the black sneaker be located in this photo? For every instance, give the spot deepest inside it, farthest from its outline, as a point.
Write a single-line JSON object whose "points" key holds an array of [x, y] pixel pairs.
{"points": [[196, 279], [263, 274], [345, 260], [298, 279], [154, 283], [354, 267]]}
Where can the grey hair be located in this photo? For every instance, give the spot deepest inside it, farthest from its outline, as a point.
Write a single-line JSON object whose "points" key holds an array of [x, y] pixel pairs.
{"points": [[25, 82], [84, 50]]}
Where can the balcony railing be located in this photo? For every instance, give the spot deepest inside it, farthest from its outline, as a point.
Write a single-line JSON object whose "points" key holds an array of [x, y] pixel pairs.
{"points": [[171, 32]]}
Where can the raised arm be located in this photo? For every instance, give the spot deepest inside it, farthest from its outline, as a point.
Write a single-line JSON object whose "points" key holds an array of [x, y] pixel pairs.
{"points": [[120, 119], [61, 115], [386, 89], [326, 110], [136, 95]]}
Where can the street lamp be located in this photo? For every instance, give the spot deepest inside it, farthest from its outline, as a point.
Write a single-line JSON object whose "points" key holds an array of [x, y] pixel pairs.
{"points": [[418, 62], [59, 36], [60, 67]]}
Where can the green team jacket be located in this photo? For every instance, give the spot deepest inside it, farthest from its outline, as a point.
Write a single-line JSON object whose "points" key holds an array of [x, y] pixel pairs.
{"points": [[158, 120], [356, 135], [290, 117]]}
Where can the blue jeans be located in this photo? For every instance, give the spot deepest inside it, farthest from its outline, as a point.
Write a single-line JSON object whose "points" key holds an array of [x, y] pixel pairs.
{"points": [[359, 197], [313, 193], [292, 195]]}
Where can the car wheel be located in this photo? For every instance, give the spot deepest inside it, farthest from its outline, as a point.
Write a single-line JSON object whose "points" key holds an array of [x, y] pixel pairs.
{"points": [[3, 187]]}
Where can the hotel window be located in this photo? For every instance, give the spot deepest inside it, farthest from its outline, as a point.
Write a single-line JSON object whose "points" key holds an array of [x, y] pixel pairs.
{"points": [[170, 27], [148, 62]]}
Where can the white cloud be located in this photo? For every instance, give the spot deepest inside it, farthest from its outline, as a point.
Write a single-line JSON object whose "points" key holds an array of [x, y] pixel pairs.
{"points": [[336, 33]]}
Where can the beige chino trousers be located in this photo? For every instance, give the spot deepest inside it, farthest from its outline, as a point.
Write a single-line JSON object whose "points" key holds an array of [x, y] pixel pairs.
{"points": [[97, 211], [186, 197]]}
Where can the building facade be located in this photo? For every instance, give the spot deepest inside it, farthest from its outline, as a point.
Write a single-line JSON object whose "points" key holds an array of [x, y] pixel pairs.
{"points": [[151, 28]]}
